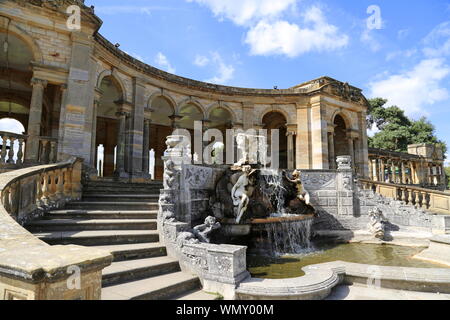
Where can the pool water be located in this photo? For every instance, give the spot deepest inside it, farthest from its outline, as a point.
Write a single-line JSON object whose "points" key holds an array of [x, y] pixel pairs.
{"points": [[290, 266]]}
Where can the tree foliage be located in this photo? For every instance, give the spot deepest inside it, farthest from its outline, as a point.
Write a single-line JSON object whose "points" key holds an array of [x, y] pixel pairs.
{"points": [[447, 173], [396, 130]]}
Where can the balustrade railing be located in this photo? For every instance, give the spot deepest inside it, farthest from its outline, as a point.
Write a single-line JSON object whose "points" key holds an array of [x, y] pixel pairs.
{"points": [[43, 187], [12, 150], [13, 147], [432, 200]]}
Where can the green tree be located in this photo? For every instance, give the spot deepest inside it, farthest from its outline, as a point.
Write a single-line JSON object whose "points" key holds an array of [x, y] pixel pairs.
{"points": [[397, 131]]}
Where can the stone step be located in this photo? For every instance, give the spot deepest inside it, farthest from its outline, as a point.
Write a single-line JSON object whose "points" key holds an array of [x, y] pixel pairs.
{"points": [[105, 205], [90, 224], [132, 270], [197, 295], [96, 238], [155, 288], [123, 252], [103, 214], [121, 197]]}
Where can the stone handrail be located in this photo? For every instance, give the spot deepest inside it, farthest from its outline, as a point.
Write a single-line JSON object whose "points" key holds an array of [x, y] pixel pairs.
{"points": [[30, 269], [7, 156], [432, 200]]}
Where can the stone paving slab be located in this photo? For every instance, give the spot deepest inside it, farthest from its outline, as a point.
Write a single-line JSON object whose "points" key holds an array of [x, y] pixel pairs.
{"points": [[360, 292]]}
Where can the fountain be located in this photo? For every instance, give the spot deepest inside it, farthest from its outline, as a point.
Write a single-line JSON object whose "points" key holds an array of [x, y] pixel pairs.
{"points": [[265, 208]]}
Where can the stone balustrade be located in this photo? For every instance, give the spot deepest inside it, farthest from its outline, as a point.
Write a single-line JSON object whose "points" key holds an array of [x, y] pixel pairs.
{"points": [[29, 268], [9, 154], [13, 148], [48, 150], [431, 200]]}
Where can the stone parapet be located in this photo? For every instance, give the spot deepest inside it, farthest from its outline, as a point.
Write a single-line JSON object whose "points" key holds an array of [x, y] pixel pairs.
{"points": [[29, 268]]}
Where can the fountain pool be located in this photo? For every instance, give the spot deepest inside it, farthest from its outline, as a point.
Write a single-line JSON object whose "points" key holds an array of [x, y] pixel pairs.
{"points": [[290, 266]]}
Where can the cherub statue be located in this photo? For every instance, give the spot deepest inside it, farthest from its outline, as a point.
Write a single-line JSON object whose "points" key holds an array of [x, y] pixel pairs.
{"points": [[302, 194], [170, 175], [377, 223], [203, 231], [242, 191]]}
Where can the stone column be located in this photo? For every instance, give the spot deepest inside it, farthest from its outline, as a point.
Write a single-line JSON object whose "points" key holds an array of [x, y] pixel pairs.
{"points": [[34, 120], [351, 149], [363, 151], [331, 153], [146, 149], [412, 172], [120, 166], [62, 118], [319, 132], [303, 149], [98, 94], [375, 170], [290, 146], [382, 169], [403, 168], [248, 117]]}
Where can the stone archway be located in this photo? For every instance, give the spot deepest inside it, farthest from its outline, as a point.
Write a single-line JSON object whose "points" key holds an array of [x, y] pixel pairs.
{"points": [[161, 126], [276, 120], [341, 144], [107, 128]]}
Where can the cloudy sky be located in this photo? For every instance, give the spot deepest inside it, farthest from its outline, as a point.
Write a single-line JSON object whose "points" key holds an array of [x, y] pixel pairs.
{"points": [[400, 52]]}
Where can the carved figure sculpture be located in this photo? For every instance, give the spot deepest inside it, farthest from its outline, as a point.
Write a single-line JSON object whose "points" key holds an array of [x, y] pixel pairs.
{"points": [[242, 191], [377, 223], [302, 194], [170, 175], [186, 237], [203, 231]]}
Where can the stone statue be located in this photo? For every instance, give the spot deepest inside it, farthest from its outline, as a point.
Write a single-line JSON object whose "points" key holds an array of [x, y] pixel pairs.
{"points": [[170, 175], [377, 223], [242, 191], [203, 231], [221, 202], [302, 194], [186, 237]]}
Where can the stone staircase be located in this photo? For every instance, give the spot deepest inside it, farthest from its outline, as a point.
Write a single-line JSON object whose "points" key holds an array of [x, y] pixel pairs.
{"points": [[121, 218]]}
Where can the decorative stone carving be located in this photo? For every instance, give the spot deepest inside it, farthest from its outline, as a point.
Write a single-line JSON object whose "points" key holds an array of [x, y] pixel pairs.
{"points": [[186, 237], [242, 191], [319, 181], [377, 223], [203, 231], [197, 177], [171, 175], [302, 194], [344, 162]]}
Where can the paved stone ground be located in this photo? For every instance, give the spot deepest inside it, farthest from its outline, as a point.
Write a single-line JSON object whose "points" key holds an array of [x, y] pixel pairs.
{"points": [[360, 292]]}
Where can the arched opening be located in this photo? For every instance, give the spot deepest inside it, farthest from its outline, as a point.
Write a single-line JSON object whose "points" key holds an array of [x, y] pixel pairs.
{"points": [[161, 126], [11, 131], [107, 126], [188, 115], [15, 97], [341, 146], [222, 120], [277, 121]]}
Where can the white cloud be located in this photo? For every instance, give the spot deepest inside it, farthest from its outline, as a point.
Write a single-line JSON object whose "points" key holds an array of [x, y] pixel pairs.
{"points": [[282, 37], [162, 61], [437, 42], [201, 61], [415, 89], [369, 38], [224, 72], [243, 12], [113, 10], [401, 54]]}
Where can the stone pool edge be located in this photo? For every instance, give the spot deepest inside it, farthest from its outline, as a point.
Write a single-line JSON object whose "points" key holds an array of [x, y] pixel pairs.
{"points": [[320, 279]]}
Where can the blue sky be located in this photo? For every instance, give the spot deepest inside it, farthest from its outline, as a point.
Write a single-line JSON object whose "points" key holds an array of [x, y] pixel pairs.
{"points": [[266, 43]]}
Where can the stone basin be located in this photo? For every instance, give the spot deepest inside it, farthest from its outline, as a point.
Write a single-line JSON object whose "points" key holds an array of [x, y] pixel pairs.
{"points": [[231, 228]]}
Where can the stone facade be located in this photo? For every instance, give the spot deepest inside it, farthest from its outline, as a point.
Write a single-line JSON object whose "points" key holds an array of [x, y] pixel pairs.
{"points": [[77, 75]]}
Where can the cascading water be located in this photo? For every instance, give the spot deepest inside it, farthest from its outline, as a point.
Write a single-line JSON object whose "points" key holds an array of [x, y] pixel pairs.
{"points": [[283, 236], [273, 189], [289, 237]]}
